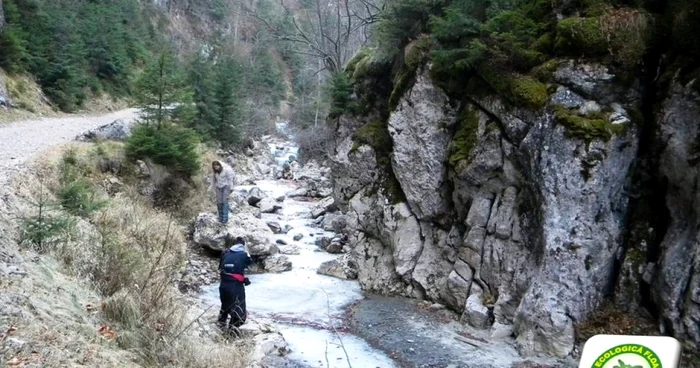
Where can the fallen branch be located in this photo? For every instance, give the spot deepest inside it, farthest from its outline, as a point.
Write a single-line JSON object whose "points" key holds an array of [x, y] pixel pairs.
{"points": [[335, 331], [191, 323], [467, 341]]}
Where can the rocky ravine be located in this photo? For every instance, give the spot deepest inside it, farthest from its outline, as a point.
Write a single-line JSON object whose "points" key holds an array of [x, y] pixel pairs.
{"points": [[530, 233]]}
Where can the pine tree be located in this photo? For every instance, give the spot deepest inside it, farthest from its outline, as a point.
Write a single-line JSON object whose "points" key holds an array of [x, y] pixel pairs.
{"points": [[45, 226], [200, 77], [227, 103], [162, 92]]}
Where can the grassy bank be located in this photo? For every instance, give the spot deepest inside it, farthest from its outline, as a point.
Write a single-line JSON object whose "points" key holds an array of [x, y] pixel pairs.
{"points": [[103, 289]]}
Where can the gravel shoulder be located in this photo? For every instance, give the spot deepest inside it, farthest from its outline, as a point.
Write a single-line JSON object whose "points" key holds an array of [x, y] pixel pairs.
{"points": [[418, 334], [21, 140]]}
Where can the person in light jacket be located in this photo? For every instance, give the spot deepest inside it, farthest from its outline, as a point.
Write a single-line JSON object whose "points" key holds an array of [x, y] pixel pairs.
{"points": [[222, 183]]}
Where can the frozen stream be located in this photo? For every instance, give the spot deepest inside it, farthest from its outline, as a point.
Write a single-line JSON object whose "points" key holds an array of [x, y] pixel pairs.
{"points": [[307, 307]]}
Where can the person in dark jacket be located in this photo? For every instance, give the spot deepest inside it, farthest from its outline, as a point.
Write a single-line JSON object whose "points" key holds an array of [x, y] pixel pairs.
{"points": [[232, 288]]}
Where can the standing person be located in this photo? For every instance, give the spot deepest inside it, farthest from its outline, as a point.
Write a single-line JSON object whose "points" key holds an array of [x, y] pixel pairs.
{"points": [[232, 288], [222, 182]]}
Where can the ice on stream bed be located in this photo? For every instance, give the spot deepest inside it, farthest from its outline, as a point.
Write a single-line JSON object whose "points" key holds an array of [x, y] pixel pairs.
{"points": [[305, 306]]}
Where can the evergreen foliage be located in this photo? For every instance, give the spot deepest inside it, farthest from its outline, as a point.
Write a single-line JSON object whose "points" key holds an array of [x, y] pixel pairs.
{"points": [[162, 92], [227, 106], [46, 226], [170, 145], [74, 48]]}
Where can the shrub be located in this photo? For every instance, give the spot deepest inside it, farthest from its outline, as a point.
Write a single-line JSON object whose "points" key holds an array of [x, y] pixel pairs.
{"points": [[47, 226], [172, 146], [341, 94], [79, 197], [578, 35]]}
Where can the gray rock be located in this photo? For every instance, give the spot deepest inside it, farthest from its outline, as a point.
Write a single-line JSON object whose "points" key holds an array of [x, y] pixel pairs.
{"points": [[566, 98], [323, 206], [268, 205], [301, 192], [277, 263], [419, 129], [342, 267], [676, 282], [334, 248], [280, 199], [322, 242], [209, 233], [117, 130], [274, 226], [476, 314], [298, 237], [589, 107], [289, 249], [255, 196]]}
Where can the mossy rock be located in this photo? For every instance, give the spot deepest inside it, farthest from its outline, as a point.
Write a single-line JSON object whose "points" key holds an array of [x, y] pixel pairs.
{"points": [[522, 90], [362, 55], [528, 91], [577, 35], [416, 53], [545, 72], [403, 81], [376, 135], [586, 128], [465, 137]]}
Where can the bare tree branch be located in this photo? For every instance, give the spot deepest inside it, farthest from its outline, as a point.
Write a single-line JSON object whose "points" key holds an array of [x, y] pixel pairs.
{"points": [[333, 30]]}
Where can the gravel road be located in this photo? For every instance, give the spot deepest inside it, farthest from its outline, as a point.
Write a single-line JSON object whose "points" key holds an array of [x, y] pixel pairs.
{"points": [[21, 140]]}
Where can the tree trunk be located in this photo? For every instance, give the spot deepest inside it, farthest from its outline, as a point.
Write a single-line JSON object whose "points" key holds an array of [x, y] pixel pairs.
{"points": [[2, 16]]}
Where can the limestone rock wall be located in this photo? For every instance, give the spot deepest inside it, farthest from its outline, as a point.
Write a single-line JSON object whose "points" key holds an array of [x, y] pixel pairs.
{"points": [[528, 234]]}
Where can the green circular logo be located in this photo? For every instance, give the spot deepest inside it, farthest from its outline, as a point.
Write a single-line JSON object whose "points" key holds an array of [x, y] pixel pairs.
{"points": [[628, 356]]}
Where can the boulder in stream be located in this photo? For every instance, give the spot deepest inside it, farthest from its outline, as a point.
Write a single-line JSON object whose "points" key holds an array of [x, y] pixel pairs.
{"points": [[325, 205], [209, 233], [289, 249], [342, 267], [301, 192], [298, 237], [268, 205], [255, 195], [277, 263], [266, 345], [274, 226]]}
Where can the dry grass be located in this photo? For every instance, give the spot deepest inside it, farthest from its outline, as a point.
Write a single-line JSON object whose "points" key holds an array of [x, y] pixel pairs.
{"points": [[628, 33], [130, 255], [27, 97]]}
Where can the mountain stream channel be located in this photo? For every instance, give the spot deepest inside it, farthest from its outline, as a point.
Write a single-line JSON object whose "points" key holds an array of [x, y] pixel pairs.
{"points": [[306, 307], [329, 322]]}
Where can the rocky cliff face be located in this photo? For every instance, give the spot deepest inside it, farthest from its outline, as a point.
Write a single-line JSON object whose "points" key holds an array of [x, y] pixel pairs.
{"points": [[520, 218]]}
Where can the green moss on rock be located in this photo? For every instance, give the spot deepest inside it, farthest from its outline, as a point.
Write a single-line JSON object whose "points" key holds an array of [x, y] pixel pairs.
{"points": [[363, 55], [578, 36], [401, 85], [586, 128], [465, 137], [522, 90], [376, 135], [545, 72], [528, 91]]}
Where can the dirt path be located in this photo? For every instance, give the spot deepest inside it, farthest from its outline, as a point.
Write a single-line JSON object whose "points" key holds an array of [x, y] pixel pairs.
{"points": [[21, 140]]}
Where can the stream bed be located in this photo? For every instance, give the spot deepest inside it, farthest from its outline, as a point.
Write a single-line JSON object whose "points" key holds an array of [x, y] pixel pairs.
{"points": [[308, 308]]}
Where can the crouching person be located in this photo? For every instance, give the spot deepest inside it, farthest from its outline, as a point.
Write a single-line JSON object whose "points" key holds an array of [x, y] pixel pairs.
{"points": [[232, 288]]}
